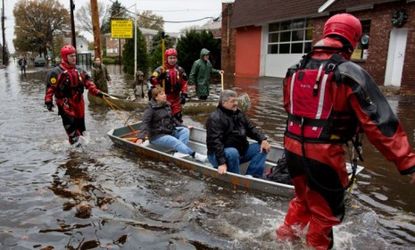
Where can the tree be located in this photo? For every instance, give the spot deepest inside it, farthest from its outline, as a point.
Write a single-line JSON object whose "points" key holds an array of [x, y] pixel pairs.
{"points": [[189, 46], [83, 16], [155, 49], [116, 11], [147, 19], [37, 24], [128, 54]]}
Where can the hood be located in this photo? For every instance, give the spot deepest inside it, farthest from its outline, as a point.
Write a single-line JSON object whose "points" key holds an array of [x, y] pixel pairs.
{"points": [[204, 52]]}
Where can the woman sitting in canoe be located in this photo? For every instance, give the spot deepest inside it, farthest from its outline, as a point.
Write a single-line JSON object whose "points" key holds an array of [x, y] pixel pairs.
{"points": [[162, 128]]}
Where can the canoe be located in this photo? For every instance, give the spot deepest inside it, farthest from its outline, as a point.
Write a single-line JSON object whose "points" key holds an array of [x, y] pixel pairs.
{"points": [[123, 137], [193, 106]]}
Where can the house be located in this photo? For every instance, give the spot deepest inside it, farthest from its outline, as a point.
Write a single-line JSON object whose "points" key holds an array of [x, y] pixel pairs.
{"points": [[265, 37], [213, 26], [84, 55], [112, 44], [81, 44]]}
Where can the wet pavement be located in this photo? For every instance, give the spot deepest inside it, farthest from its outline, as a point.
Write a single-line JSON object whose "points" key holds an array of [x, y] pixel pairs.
{"points": [[101, 197]]}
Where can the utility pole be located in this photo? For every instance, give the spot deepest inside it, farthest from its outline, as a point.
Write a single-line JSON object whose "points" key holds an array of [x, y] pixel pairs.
{"points": [[72, 6], [135, 40], [4, 34], [95, 28]]}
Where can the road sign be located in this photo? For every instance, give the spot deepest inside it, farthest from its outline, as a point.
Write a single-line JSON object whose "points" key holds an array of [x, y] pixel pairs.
{"points": [[121, 28]]}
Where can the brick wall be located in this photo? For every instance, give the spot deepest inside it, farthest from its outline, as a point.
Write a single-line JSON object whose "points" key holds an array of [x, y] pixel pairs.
{"points": [[408, 77], [380, 28]]}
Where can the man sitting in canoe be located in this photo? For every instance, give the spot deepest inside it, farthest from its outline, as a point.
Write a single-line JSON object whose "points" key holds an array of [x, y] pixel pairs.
{"points": [[162, 128], [227, 130]]}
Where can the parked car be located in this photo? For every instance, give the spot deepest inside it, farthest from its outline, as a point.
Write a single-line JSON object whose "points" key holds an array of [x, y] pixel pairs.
{"points": [[40, 61]]}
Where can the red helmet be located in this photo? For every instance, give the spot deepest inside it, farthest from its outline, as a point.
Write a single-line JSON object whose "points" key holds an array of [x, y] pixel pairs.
{"points": [[344, 25], [66, 50], [170, 52]]}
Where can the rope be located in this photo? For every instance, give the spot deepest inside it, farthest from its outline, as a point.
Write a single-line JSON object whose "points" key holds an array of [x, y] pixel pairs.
{"points": [[115, 107]]}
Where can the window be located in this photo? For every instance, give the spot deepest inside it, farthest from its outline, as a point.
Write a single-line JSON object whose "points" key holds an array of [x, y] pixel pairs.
{"points": [[290, 37], [360, 53]]}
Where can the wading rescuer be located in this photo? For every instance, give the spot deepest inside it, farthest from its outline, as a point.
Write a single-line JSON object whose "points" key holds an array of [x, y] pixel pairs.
{"points": [[67, 82], [173, 79], [329, 99]]}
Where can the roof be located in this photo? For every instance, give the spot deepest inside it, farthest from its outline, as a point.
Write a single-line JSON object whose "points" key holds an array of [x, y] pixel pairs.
{"points": [[215, 24], [258, 12]]}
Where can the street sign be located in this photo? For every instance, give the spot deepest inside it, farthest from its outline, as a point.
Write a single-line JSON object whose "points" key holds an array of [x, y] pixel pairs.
{"points": [[121, 28]]}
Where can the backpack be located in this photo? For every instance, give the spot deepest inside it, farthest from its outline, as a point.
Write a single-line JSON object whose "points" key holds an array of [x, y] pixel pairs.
{"points": [[279, 172], [309, 99]]}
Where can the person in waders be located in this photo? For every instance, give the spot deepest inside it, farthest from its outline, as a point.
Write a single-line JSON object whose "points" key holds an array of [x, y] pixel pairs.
{"points": [[100, 75], [329, 99], [200, 74], [173, 79], [67, 83]]}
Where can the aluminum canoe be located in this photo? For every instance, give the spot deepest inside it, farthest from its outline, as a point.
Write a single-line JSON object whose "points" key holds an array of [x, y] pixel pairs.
{"points": [[123, 137]]}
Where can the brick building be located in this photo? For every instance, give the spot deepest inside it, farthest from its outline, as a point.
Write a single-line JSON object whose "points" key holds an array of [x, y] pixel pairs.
{"points": [[265, 37]]}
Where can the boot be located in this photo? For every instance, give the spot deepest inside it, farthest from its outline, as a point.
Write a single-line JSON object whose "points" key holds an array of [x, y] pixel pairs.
{"points": [[286, 233], [200, 157]]}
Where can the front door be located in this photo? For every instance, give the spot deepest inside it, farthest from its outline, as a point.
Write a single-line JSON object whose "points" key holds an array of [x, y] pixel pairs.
{"points": [[396, 56]]}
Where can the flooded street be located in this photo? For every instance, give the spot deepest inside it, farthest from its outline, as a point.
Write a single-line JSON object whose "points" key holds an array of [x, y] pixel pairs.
{"points": [[47, 187]]}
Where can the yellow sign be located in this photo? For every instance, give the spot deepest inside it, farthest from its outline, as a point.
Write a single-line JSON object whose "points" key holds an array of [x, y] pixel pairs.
{"points": [[121, 28]]}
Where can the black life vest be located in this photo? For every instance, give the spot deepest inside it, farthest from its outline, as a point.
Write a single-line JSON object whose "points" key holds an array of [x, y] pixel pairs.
{"points": [[66, 88], [311, 116]]}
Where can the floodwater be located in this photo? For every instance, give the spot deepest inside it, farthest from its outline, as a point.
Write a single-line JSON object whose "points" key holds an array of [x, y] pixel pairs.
{"points": [[101, 197]]}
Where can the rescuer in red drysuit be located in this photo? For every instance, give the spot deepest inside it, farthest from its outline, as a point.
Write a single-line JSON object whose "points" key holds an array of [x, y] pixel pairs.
{"points": [[67, 82], [328, 99], [173, 79]]}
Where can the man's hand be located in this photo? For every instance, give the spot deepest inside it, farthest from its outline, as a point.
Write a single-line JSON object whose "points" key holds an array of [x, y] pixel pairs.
{"points": [[265, 146], [221, 71], [101, 94], [49, 106], [222, 169], [183, 97]]}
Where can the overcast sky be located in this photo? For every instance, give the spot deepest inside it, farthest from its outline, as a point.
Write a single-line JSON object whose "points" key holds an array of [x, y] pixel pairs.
{"points": [[170, 10]]}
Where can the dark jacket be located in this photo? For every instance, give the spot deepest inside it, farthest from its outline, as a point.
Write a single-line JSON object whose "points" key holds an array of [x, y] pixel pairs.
{"points": [[157, 120], [227, 128], [100, 76]]}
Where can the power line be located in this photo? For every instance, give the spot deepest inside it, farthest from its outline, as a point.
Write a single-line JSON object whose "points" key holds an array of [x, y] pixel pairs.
{"points": [[181, 10], [166, 21]]}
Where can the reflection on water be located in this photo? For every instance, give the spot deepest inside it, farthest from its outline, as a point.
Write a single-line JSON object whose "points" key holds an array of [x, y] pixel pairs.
{"points": [[103, 197]]}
